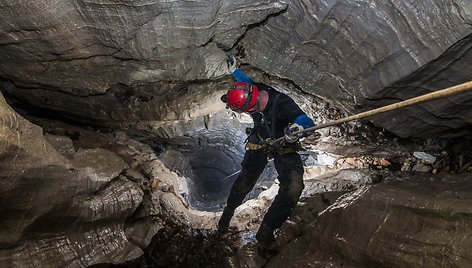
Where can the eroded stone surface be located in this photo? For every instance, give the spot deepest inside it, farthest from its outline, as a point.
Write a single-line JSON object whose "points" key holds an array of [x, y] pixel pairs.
{"points": [[52, 206], [145, 61], [156, 68], [140, 61], [70, 208], [393, 224], [364, 54]]}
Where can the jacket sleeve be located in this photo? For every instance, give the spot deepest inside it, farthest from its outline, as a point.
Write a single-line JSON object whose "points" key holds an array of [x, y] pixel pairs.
{"points": [[242, 77], [304, 121]]}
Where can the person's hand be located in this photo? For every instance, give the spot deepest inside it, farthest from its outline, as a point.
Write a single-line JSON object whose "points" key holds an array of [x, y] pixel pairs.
{"points": [[231, 63], [289, 133]]}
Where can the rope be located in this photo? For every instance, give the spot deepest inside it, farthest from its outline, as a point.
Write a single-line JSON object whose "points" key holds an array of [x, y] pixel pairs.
{"points": [[454, 90]]}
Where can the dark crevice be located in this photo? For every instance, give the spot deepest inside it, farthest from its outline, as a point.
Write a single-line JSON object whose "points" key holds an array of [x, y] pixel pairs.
{"points": [[236, 46]]}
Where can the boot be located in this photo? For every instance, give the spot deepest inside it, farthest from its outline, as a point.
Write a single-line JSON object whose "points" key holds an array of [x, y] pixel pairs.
{"points": [[265, 235], [224, 221], [267, 245]]}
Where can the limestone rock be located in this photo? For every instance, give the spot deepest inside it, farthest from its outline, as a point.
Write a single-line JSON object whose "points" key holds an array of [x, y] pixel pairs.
{"points": [[397, 224], [156, 70], [364, 54], [62, 144], [142, 62], [54, 208]]}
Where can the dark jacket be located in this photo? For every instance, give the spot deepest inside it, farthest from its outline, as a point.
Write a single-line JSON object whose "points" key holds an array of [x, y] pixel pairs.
{"points": [[278, 113]]}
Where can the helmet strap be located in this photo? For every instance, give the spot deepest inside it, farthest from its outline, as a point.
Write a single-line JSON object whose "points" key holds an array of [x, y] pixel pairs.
{"points": [[258, 108]]}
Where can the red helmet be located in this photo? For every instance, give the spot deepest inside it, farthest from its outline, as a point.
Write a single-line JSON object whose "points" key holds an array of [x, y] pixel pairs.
{"points": [[241, 97]]}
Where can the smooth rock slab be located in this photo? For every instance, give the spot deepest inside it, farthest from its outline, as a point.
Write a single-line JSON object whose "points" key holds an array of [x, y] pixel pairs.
{"points": [[425, 222]]}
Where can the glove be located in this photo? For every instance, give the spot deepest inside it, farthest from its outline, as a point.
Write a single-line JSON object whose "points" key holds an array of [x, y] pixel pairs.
{"points": [[289, 135], [231, 63]]}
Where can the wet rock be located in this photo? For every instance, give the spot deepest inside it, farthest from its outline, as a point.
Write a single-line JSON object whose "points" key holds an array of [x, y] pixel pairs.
{"points": [[110, 165], [109, 242], [67, 211], [413, 223], [148, 69], [131, 54], [118, 200], [111, 73], [341, 180], [133, 175]]}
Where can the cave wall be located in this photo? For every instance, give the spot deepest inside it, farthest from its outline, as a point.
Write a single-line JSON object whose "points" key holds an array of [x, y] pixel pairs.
{"points": [[54, 207], [365, 54], [115, 62], [85, 47], [153, 65], [120, 62], [76, 197]]}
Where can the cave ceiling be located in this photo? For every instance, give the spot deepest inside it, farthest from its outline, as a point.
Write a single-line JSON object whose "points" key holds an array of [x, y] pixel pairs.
{"points": [[137, 64]]}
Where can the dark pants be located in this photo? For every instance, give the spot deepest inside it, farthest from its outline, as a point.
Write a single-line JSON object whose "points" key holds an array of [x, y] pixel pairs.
{"points": [[290, 169]]}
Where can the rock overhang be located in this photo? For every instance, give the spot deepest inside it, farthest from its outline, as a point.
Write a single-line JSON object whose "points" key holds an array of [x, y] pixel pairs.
{"points": [[154, 57]]}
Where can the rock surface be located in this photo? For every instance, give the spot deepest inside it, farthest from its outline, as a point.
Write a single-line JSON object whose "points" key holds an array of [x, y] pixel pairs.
{"points": [[365, 54], [80, 200], [117, 63], [56, 208], [420, 223], [155, 70]]}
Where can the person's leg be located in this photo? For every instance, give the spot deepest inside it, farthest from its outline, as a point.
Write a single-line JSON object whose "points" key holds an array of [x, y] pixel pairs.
{"points": [[252, 166], [290, 169]]}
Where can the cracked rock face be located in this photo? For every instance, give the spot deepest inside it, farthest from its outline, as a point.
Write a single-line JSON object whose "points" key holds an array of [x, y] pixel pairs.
{"points": [[120, 63]]}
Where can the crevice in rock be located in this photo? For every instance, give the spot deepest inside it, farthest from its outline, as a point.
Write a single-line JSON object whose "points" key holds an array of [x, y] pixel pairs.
{"points": [[237, 43]]}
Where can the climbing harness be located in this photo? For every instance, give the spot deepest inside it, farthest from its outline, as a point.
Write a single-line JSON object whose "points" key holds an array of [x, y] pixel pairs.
{"points": [[454, 90]]}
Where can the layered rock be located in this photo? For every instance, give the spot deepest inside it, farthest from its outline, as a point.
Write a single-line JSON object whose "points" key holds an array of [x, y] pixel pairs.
{"points": [[365, 54], [423, 222], [157, 68], [56, 208], [119, 63], [82, 201]]}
